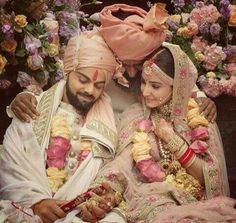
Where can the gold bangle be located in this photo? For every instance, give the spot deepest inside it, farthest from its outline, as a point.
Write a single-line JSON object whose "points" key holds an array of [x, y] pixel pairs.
{"points": [[118, 198], [181, 151], [175, 144]]}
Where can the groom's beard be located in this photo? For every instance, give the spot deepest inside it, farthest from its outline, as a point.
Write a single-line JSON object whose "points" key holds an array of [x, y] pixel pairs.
{"points": [[81, 106]]}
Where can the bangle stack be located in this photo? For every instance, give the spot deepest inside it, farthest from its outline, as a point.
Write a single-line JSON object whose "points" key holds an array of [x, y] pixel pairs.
{"points": [[186, 157], [175, 144], [184, 154]]}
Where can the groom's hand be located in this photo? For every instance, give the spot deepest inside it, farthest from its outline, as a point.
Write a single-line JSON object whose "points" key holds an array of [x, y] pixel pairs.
{"points": [[49, 210]]}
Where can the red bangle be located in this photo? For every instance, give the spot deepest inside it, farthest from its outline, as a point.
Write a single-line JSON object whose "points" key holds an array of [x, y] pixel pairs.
{"points": [[188, 154]]}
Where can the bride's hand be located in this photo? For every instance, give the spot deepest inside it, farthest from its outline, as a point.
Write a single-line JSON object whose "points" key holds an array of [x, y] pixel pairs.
{"points": [[98, 205], [164, 130]]}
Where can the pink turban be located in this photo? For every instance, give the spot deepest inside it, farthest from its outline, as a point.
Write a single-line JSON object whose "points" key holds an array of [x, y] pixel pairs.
{"points": [[89, 50], [136, 36]]}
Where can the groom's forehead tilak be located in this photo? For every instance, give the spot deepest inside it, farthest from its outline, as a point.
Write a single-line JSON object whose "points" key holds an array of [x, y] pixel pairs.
{"points": [[95, 75]]}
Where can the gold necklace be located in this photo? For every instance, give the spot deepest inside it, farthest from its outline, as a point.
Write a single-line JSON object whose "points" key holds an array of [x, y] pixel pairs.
{"points": [[169, 163]]}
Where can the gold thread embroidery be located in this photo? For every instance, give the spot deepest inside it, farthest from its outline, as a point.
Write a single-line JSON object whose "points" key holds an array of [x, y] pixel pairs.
{"points": [[45, 106], [100, 151], [102, 129]]}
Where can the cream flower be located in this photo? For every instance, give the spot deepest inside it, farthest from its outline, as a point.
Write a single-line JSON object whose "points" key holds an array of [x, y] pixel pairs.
{"points": [[193, 115], [56, 178], [192, 104], [140, 137], [21, 21], [198, 120], [59, 127], [211, 75], [199, 56], [140, 151], [175, 18], [60, 64], [53, 50]]}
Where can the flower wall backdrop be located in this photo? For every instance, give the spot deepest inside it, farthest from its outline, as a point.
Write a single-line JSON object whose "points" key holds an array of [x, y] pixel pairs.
{"points": [[206, 31], [33, 36]]}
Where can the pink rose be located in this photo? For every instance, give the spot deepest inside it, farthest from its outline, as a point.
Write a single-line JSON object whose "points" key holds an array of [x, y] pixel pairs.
{"points": [[211, 87], [83, 155], [198, 44], [150, 170], [200, 133], [213, 14], [58, 163], [214, 55], [56, 151], [205, 14], [145, 125], [199, 146], [61, 141], [229, 86], [195, 16], [230, 69]]}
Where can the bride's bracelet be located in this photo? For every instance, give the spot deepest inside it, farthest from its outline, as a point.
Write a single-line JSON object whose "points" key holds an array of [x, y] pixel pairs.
{"points": [[182, 152], [175, 144], [118, 198], [186, 156]]}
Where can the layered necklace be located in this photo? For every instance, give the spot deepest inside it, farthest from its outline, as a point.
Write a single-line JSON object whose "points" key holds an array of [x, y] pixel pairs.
{"points": [[168, 162]]}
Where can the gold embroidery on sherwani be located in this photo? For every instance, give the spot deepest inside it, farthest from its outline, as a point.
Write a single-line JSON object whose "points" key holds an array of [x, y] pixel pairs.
{"points": [[100, 151], [102, 129], [45, 108]]}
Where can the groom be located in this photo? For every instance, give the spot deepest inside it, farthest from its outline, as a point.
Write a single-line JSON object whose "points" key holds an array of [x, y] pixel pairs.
{"points": [[56, 157]]}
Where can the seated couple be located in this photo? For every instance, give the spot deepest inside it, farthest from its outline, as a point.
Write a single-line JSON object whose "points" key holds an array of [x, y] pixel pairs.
{"points": [[169, 165]]}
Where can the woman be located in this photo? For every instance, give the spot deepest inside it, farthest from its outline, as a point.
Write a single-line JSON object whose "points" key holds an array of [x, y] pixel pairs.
{"points": [[170, 166]]}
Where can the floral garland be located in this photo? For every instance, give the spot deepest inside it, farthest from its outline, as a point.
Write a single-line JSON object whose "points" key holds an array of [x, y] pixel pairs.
{"points": [[151, 171], [144, 162], [57, 150]]}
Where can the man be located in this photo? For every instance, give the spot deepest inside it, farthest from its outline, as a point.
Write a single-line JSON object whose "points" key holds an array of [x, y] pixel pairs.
{"points": [[53, 159]]}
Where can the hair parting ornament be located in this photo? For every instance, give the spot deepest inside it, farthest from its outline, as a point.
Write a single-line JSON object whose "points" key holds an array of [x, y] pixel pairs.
{"points": [[150, 67]]}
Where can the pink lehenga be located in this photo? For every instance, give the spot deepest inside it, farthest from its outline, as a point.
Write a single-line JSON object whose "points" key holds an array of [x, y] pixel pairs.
{"points": [[170, 200]]}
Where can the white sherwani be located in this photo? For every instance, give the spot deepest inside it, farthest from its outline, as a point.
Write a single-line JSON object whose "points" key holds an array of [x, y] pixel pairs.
{"points": [[23, 178]]}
